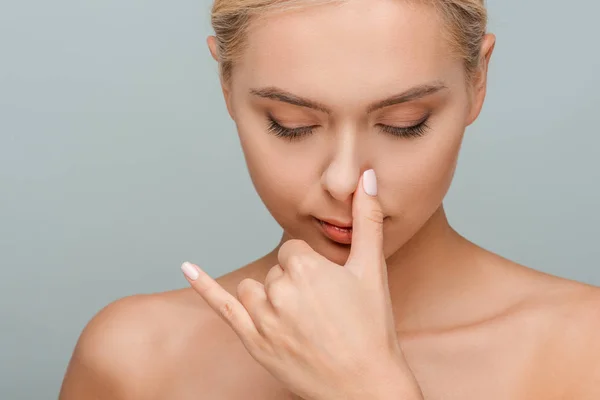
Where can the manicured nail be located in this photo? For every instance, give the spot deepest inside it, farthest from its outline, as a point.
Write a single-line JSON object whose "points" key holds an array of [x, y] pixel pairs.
{"points": [[191, 271], [370, 182]]}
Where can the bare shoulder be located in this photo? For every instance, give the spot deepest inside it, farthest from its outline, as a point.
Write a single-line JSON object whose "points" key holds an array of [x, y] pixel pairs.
{"points": [[580, 342], [555, 322], [571, 346], [133, 347]]}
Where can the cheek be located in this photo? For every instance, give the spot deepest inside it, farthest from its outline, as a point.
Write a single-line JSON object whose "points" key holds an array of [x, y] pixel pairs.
{"points": [[417, 177], [419, 172], [280, 177], [430, 173]]}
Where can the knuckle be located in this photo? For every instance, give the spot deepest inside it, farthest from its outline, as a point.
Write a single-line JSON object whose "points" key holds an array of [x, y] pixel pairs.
{"points": [[259, 347], [244, 289], [268, 326], [291, 246], [274, 295], [244, 286], [226, 310], [278, 295], [274, 274], [289, 344], [375, 215], [296, 257], [296, 261], [300, 265]]}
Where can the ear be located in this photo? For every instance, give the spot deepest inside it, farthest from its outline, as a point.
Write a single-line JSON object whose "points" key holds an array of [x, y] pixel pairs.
{"points": [[479, 88], [211, 41]]}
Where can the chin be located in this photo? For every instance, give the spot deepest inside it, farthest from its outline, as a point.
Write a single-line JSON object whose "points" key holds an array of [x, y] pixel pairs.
{"points": [[334, 252]]}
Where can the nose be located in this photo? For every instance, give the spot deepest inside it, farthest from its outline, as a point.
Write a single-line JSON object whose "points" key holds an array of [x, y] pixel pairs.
{"points": [[341, 175]]}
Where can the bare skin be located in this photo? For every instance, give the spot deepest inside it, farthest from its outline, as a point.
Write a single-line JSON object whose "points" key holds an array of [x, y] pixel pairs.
{"points": [[471, 324], [512, 333]]}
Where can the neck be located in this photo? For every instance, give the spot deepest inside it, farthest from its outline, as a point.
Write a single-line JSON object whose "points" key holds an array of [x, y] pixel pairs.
{"points": [[428, 274]]}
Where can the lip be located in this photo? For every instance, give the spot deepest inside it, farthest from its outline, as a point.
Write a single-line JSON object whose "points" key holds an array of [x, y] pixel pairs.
{"points": [[335, 222], [338, 223], [335, 233]]}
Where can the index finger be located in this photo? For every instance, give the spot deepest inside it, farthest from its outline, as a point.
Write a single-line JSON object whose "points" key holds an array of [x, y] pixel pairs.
{"points": [[366, 251]]}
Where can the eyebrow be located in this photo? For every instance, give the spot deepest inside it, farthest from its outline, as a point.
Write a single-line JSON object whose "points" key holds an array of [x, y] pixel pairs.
{"points": [[411, 94]]}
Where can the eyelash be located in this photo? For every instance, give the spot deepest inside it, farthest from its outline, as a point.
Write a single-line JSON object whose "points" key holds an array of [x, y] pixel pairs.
{"points": [[288, 133], [296, 133]]}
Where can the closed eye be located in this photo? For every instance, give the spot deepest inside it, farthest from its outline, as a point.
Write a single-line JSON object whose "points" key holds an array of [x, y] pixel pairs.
{"points": [[289, 133], [296, 133], [406, 132]]}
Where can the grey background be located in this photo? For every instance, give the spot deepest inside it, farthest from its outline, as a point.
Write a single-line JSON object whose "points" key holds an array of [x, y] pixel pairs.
{"points": [[118, 162]]}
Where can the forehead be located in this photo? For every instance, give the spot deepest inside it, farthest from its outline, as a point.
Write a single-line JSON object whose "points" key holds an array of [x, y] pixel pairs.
{"points": [[346, 46]]}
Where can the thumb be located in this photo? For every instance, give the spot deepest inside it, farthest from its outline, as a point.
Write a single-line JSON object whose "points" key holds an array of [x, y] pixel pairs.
{"points": [[366, 251]]}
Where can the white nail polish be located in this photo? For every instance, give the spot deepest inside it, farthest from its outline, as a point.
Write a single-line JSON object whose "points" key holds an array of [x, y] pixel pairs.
{"points": [[190, 271], [370, 182]]}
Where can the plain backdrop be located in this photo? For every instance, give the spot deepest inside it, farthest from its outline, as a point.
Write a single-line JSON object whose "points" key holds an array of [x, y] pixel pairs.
{"points": [[118, 161]]}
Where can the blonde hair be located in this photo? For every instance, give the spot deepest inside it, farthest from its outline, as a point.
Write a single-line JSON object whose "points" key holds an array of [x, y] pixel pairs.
{"points": [[465, 22]]}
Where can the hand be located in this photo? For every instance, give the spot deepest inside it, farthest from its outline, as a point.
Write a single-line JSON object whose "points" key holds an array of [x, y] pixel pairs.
{"points": [[325, 331]]}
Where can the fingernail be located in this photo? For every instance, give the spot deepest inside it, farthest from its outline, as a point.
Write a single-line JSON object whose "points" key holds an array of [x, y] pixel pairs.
{"points": [[190, 271], [370, 182]]}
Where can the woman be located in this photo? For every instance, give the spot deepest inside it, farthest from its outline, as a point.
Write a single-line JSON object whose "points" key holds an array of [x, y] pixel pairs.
{"points": [[351, 115]]}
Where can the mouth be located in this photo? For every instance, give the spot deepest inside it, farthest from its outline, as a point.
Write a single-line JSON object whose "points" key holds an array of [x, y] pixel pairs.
{"points": [[337, 232]]}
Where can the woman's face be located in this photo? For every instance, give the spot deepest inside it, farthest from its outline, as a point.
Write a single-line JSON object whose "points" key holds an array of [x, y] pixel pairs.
{"points": [[325, 93]]}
